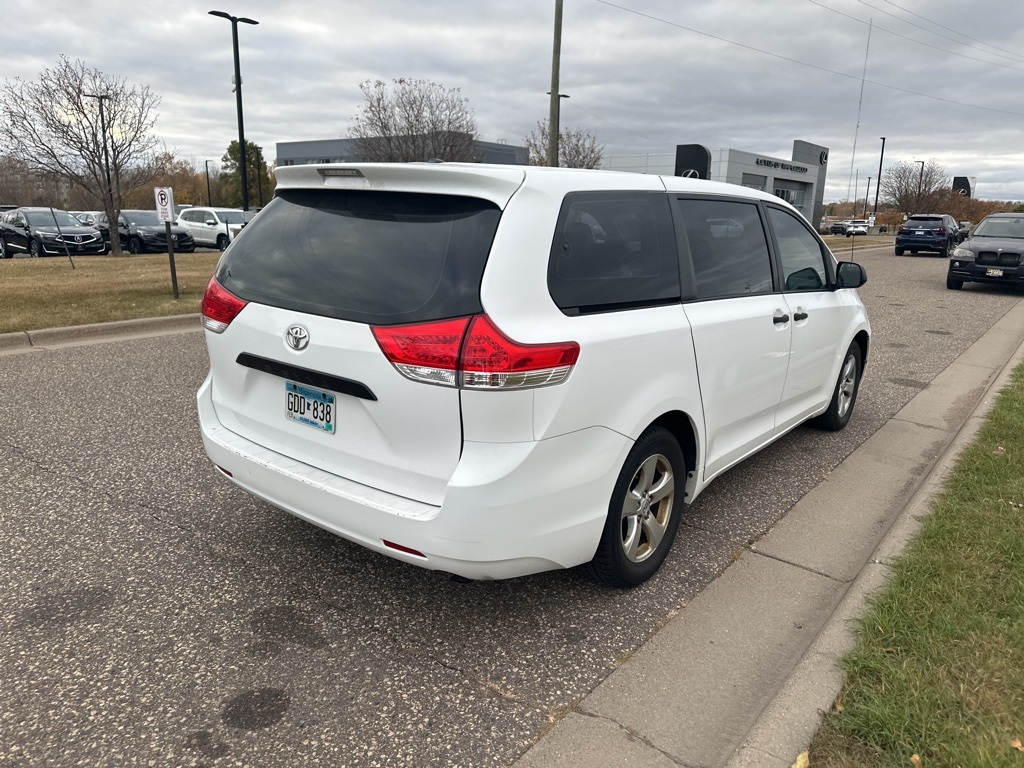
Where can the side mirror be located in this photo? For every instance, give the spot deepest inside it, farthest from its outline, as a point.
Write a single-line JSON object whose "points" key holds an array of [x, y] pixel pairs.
{"points": [[850, 275], [210, 223]]}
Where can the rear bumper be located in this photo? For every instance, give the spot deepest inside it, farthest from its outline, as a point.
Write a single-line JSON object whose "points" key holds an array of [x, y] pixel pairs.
{"points": [[510, 509], [921, 244]]}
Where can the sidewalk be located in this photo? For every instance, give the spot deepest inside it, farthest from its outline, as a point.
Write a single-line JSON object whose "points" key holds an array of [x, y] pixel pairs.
{"points": [[740, 675]]}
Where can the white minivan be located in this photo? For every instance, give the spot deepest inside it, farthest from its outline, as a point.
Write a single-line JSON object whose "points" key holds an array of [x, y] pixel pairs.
{"points": [[499, 370]]}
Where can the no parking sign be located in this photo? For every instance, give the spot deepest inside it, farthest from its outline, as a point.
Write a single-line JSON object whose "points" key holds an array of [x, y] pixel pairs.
{"points": [[164, 203]]}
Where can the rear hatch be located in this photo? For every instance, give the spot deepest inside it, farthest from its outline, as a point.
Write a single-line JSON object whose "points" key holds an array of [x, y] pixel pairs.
{"points": [[328, 261]]}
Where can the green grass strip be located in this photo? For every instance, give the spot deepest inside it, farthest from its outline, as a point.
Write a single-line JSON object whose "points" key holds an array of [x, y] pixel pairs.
{"points": [[938, 670]]}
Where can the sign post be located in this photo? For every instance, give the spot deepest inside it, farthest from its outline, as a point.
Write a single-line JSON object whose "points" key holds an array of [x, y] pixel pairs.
{"points": [[165, 212]]}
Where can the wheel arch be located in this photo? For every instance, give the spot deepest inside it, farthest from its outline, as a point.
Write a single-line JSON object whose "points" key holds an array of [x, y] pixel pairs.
{"points": [[684, 431], [863, 341]]}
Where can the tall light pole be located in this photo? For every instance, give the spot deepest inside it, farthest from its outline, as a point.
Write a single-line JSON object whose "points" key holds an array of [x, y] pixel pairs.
{"points": [[238, 98], [101, 97], [867, 193], [920, 180], [209, 197], [878, 181], [553, 112]]}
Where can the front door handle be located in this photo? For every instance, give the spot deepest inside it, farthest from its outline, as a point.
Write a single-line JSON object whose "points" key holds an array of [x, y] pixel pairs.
{"points": [[798, 316], [780, 319]]}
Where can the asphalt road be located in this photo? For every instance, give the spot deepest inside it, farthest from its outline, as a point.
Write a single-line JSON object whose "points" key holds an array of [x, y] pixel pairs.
{"points": [[152, 614]]}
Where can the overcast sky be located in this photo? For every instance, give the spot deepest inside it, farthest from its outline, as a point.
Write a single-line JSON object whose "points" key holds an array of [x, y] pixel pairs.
{"points": [[944, 78]]}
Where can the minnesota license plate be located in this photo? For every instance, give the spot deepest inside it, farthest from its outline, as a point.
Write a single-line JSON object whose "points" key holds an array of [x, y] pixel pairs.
{"points": [[993, 273], [311, 407]]}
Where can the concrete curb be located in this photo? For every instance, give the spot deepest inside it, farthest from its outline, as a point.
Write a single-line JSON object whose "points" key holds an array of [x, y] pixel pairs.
{"points": [[79, 334]]}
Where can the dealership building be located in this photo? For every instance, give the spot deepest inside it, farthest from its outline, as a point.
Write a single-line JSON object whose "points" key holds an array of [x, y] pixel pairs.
{"points": [[799, 180]]}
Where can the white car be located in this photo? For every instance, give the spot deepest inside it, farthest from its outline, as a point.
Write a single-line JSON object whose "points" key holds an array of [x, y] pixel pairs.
{"points": [[498, 370], [213, 227], [857, 227]]}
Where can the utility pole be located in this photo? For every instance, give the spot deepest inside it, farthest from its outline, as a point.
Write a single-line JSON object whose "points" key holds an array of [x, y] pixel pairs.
{"points": [[209, 197], [878, 181], [553, 114], [920, 181]]}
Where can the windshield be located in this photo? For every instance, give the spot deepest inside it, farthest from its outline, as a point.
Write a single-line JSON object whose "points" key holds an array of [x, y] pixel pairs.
{"points": [[145, 218], [232, 217], [45, 219], [1012, 227]]}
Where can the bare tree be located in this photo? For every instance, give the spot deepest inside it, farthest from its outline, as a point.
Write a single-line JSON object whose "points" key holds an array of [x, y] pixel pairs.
{"points": [[55, 127], [910, 186], [577, 148], [413, 121]]}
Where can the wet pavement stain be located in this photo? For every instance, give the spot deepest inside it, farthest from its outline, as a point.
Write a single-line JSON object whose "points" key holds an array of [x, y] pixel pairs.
{"points": [[206, 744], [69, 607], [253, 710], [909, 383], [941, 333]]}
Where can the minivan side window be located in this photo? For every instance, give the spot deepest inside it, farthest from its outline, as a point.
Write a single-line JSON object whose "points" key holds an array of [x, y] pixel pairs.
{"points": [[728, 248], [803, 264], [612, 251]]}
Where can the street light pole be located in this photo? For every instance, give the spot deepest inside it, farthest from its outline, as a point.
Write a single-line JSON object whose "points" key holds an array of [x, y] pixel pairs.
{"points": [[920, 180], [238, 98], [101, 97], [553, 111], [878, 181], [867, 193], [209, 197]]}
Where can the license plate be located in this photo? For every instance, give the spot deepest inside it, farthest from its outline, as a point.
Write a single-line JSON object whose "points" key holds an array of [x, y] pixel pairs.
{"points": [[919, 232], [311, 407], [993, 273]]}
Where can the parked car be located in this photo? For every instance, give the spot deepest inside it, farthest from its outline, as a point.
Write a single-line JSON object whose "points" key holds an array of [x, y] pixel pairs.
{"points": [[39, 232], [499, 370], [86, 217], [214, 227], [838, 228], [857, 227], [936, 232], [992, 254], [141, 231], [965, 230]]}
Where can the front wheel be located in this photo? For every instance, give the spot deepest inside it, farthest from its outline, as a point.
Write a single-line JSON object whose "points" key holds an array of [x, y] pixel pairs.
{"points": [[844, 397], [643, 514], [953, 285], [135, 246], [34, 250]]}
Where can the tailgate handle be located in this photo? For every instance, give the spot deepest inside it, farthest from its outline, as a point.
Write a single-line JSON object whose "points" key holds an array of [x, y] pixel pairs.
{"points": [[306, 376]]}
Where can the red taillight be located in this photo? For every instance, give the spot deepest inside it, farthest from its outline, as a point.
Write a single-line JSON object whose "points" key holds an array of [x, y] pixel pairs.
{"points": [[941, 230], [219, 307], [473, 353]]}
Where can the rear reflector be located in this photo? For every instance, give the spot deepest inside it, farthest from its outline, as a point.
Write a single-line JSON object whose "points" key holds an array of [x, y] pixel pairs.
{"points": [[219, 307], [400, 548], [473, 353]]}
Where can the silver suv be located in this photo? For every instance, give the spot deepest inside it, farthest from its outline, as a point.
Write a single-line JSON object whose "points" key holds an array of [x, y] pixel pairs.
{"points": [[215, 227]]}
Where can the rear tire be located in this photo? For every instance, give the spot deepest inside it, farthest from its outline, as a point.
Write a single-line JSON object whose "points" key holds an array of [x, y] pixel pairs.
{"points": [[844, 396], [953, 285], [644, 512], [222, 242], [899, 251], [4, 253]]}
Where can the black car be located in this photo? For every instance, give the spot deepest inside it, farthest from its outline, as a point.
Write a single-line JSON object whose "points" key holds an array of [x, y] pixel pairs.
{"points": [[142, 231], [39, 232], [992, 254], [839, 228], [935, 232]]}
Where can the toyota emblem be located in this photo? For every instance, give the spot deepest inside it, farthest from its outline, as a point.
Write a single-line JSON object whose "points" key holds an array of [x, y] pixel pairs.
{"points": [[297, 337]]}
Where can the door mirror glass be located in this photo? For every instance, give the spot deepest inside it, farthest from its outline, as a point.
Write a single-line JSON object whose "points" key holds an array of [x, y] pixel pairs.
{"points": [[850, 275]]}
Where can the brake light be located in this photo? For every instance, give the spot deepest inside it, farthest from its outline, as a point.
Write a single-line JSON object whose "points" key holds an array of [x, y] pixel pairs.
{"points": [[941, 230], [471, 352], [219, 307]]}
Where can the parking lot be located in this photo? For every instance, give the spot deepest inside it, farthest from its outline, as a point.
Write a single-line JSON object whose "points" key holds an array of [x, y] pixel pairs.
{"points": [[152, 613]]}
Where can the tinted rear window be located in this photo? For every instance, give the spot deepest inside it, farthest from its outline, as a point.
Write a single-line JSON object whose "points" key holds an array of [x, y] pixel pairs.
{"points": [[373, 257], [924, 222]]}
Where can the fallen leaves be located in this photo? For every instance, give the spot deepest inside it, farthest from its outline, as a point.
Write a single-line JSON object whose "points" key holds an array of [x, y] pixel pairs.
{"points": [[999, 451], [915, 760], [803, 760], [1018, 745]]}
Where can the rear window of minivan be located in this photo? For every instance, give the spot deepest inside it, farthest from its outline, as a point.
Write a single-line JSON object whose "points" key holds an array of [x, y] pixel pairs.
{"points": [[383, 258]]}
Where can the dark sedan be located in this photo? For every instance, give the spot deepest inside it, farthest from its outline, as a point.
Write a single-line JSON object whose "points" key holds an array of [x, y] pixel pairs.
{"points": [[142, 231], [992, 254], [39, 232]]}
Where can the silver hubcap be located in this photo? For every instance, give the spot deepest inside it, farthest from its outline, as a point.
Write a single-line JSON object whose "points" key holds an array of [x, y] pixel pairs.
{"points": [[647, 508], [847, 381]]}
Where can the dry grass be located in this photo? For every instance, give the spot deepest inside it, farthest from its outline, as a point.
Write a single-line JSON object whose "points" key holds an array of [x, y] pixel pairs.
{"points": [[48, 293]]}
